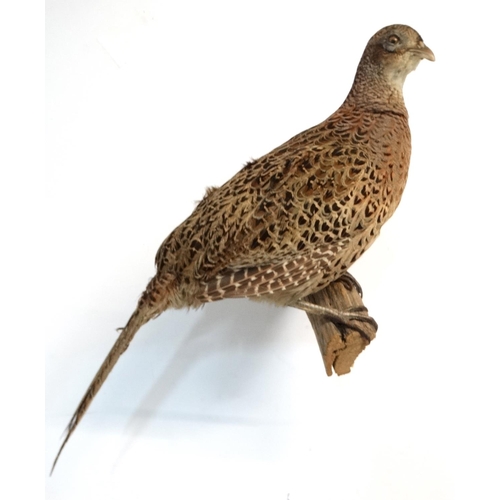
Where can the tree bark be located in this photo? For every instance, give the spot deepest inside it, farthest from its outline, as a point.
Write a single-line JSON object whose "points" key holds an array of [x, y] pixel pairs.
{"points": [[339, 344]]}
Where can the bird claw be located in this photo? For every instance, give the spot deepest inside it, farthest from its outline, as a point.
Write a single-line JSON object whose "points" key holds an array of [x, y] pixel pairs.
{"points": [[350, 282], [359, 313], [349, 318], [345, 318]]}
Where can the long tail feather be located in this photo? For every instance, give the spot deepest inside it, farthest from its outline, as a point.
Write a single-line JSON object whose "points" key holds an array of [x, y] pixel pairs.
{"points": [[139, 318]]}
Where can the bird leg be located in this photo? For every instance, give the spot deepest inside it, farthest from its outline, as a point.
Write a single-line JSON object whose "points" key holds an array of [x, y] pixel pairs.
{"points": [[334, 307], [343, 318]]}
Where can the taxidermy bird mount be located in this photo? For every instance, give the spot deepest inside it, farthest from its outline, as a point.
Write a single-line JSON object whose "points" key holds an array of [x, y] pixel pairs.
{"points": [[292, 222]]}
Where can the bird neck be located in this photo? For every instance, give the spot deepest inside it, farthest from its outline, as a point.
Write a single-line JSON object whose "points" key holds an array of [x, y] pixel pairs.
{"points": [[376, 91]]}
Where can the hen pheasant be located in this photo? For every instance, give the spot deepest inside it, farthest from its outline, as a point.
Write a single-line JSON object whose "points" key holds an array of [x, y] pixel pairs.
{"points": [[290, 223]]}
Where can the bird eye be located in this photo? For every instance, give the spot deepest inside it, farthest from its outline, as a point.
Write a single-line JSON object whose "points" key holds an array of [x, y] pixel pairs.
{"points": [[393, 39]]}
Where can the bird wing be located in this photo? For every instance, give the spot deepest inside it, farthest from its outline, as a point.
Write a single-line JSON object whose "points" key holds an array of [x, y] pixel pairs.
{"points": [[274, 220], [287, 229], [299, 273]]}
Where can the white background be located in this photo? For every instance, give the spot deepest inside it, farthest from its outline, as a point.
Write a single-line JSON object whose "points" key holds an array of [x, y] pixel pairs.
{"points": [[150, 102]]}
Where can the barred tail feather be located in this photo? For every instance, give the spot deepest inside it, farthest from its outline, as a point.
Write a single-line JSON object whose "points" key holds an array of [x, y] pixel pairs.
{"points": [[139, 318]]}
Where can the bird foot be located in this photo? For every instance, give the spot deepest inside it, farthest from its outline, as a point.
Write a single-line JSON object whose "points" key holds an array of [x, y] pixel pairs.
{"points": [[350, 282], [346, 318]]}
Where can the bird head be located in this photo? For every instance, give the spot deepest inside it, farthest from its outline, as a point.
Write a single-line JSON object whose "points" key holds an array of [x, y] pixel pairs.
{"points": [[394, 52]]}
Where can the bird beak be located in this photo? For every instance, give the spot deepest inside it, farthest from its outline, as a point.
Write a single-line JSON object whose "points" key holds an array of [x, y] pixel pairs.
{"points": [[424, 52]]}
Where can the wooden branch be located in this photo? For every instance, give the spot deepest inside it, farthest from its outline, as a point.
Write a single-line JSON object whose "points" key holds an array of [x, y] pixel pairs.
{"points": [[339, 345]]}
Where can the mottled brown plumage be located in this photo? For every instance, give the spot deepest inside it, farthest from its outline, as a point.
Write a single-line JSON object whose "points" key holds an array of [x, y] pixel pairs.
{"points": [[293, 221]]}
